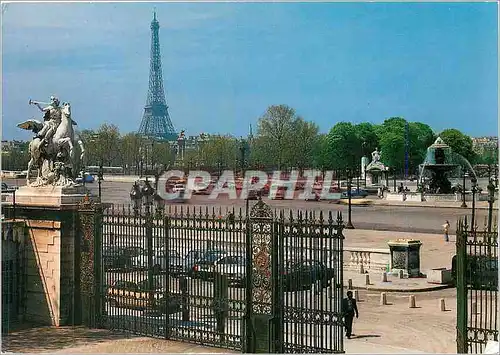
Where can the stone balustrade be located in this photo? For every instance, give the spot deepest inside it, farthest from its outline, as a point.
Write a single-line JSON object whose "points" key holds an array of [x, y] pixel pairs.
{"points": [[373, 260]]}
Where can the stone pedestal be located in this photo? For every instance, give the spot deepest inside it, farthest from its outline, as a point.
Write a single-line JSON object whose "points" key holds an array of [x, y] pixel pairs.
{"points": [[52, 258], [405, 256], [49, 196]]}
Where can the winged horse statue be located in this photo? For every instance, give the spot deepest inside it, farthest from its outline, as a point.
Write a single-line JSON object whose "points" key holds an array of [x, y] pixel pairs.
{"points": [[54, 160]]}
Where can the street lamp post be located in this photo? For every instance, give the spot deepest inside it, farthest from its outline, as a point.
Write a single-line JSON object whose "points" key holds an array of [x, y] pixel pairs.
{"points": [[464, 204], [349, 195], [365, 174], [243, 149], [474, 190], [491, 200], [143, 195], [394, 177], [100, 175]]}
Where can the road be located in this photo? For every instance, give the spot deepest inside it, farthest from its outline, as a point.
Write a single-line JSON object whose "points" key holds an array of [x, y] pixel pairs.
{"points": [[384, 218], [387, 218]]}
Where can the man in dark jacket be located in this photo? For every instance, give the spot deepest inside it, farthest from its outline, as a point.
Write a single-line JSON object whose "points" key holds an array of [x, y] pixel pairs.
{"points": [[349, 308]]}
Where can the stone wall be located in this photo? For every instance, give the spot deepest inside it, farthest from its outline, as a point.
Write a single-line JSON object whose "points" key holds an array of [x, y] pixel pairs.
{"points": [[43, 288]]}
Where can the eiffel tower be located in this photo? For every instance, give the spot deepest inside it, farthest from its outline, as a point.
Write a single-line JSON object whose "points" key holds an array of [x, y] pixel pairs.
{"points": [[156, 123]]}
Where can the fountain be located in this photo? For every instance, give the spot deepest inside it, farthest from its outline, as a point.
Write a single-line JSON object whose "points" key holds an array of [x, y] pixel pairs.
{"points": [[440, 165]]}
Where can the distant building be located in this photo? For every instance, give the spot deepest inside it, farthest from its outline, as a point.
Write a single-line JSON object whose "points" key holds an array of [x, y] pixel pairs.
{"points": [[480, 144], [8, 146]]}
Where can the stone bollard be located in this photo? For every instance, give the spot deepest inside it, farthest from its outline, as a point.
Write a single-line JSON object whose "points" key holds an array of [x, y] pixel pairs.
{"points": [[401, 274], [473, 307], [383, 299], [442, 305], [355, 295], [349, 284], [361, 269], [367, 279], [384, 277], [411, 302]]}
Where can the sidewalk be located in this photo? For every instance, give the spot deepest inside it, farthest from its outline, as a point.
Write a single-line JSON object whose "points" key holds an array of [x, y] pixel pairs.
{"points": [[79, 340], [481, 205]]}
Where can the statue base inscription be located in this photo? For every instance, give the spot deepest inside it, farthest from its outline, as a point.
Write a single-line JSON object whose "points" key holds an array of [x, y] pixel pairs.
{"points": [[52, 196]]}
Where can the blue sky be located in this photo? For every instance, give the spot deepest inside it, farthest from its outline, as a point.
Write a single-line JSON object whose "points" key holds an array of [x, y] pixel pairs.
{"points": [[225, 63]]}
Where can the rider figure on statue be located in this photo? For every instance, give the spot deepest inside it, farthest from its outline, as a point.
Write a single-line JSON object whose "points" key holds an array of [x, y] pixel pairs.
{"points": [[52, 119]]}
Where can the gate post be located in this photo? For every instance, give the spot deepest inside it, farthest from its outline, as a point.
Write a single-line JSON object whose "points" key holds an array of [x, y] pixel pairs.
{"points": [[259, 296], [461, 260], [89, 249]]}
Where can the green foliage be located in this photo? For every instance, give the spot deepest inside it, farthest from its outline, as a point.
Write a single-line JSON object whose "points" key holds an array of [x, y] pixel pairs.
{"points": [[392, 138], [344, 146], [366, 133], [276, 143], [459, 143]]}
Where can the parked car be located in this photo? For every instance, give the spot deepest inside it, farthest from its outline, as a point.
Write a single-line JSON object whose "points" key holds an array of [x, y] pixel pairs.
{"points": [[175, 262], [120, 258], [481, 271], [300, 275], [220, 261], [128, 294], [233, 266], [191, 258]]}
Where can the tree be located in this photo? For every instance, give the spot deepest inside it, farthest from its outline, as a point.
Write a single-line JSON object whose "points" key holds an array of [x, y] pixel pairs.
{"points": [[395, 140], [459, 143], [107, 141], [421, 137], [301, 153], [366, 133], [344, 146], [130, 144], [320, 157], [275, 135], [219, 152]]}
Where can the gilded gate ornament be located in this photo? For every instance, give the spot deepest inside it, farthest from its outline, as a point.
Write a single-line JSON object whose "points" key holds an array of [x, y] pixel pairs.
{"points": [[261, 223]]}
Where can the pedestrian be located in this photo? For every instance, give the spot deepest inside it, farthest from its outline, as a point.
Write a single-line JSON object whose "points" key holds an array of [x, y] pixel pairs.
{"points": [[349, 308], [446, 228]]}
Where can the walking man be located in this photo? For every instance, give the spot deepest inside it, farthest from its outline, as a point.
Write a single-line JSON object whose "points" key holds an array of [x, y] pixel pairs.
{"points": [[446, 228], [349, 308]]}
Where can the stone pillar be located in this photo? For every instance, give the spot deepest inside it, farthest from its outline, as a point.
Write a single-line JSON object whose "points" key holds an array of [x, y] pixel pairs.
{"points": [[51, 216]]}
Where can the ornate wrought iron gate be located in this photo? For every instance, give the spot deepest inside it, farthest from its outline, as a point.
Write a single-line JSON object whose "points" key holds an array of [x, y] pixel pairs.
{"points": [[475, 269], [257, 283]]}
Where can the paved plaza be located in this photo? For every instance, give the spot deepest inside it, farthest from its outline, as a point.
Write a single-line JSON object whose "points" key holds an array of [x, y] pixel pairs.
{"points": [[391, 328]]}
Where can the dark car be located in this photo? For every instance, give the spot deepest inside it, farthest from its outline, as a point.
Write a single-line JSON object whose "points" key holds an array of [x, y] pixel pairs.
{"points": [[302, 275], [191, 258], [120, 258], [481, 271], [175, 262], [204, 268], [128, 294]]}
